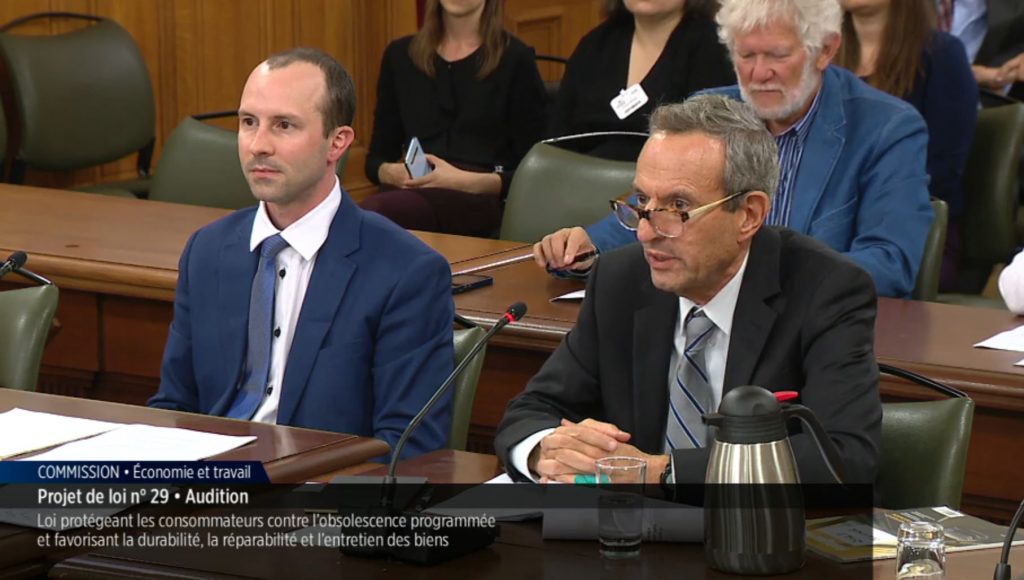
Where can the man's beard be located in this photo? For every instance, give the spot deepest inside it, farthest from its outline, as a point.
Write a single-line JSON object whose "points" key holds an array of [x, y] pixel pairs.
{"points": [[793, 101]]}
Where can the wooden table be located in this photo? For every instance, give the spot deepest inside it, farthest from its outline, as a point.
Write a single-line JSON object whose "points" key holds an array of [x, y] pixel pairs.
{"points": [[288, 454], [520, 552], [115, 260]]}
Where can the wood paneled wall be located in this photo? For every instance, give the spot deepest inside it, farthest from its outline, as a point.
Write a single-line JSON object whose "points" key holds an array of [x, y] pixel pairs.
{"points": [[200, 52]]}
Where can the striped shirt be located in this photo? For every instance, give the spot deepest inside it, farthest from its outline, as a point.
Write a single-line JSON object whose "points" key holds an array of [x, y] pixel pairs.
{"points": [[791, 149]]}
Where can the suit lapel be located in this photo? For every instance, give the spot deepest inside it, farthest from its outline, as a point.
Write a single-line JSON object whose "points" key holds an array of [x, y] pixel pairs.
{"points": [[234, 288], [821, 151], [754, 317], [331, 274], [653, 342]]}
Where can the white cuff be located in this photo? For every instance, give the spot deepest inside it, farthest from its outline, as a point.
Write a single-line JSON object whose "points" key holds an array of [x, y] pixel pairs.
{"points": [[520, 453]]}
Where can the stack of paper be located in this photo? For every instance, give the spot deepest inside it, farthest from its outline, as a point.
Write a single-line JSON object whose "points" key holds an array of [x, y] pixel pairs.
{"points": [[23, 431]]}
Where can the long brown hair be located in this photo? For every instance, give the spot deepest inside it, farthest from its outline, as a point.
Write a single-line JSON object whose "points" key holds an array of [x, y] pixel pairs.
{"points": [[907, 34], [492, 34]]}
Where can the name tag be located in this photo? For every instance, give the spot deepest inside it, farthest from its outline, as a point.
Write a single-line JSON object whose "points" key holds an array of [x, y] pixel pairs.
{"points": [[628, 101]]}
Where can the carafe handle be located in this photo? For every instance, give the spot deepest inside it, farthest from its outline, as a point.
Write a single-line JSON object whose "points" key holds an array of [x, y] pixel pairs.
{"points": [[825, 445]]}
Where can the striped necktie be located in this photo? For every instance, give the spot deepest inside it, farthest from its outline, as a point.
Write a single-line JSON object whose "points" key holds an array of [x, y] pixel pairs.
{"points": [[261, 321], [690, 394]]}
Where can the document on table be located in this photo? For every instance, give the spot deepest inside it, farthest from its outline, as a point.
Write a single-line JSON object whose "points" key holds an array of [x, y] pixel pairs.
{"points": [[576, 295], [145, 443], [23, 431], [1009, 340]]}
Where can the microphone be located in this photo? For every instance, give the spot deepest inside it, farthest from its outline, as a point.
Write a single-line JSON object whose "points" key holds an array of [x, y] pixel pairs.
{"points": [[1003, 567], [512, 314], [14, 262], [461, 539]]}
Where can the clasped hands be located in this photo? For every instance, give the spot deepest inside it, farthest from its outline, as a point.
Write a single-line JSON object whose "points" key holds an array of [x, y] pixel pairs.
{"points": [[444, 176], [573, 448]]}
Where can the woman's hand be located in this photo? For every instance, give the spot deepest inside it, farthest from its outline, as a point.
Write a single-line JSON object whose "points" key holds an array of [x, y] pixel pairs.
{"points": [[447, 176]]}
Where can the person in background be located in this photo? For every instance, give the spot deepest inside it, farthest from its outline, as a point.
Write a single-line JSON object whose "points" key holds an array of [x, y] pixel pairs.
{"points": [[709, 300], [893, 45], [472, 95], [852, 158], [293, 312], [993, 35], [659, 51], [1011, 284]]}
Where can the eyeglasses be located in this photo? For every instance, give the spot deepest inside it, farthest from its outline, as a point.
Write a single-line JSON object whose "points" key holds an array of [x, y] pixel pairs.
{"points": [[667, 222]]}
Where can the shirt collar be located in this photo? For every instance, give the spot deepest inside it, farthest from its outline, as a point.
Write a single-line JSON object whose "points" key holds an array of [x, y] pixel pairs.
{"points": [[721, 308], [307, 234], [803, 126]]}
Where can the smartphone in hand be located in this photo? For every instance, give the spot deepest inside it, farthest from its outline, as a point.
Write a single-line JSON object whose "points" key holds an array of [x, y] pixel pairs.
{"points": [[416, 161]]}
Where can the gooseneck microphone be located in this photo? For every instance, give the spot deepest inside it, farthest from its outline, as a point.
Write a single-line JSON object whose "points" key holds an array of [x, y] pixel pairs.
{"points": [[1003, 567], [16, 263], [514, 313], [13, 262]]}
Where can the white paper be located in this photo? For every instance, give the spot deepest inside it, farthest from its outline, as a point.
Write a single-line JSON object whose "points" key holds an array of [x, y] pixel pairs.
{"points": [[145, 443], [1019, 363], [1009, 340], [23, 431], [663, 522], [576, 295], [516, 502]]}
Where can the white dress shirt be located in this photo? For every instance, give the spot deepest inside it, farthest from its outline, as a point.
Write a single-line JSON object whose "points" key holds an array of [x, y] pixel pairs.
{"points": [[294, 267], [719, 310], [1011, 284]]}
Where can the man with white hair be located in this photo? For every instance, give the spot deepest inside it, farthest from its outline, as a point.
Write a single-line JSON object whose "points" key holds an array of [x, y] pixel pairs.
{"points": [[852, 159]]}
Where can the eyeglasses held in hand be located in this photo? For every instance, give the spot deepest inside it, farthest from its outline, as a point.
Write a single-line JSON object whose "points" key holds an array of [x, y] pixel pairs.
{"points": [[666, 221]]}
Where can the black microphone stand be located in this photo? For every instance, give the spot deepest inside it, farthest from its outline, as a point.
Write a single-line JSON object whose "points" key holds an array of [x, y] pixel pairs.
{"points": [[1003, 567], [461, 540]]}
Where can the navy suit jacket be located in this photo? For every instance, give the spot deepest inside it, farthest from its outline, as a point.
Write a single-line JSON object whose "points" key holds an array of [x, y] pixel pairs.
{"points": [[373, 341], [861, 187]]}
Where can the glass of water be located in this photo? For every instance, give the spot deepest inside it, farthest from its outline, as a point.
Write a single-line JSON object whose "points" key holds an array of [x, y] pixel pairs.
{"points": [[920, 551], [620, 513]]}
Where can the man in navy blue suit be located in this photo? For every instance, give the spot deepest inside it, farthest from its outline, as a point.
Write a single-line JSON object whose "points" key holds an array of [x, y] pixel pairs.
{"points": [[305, 310]]}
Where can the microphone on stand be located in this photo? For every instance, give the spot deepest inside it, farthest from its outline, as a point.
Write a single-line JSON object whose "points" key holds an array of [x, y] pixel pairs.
{"points": [[13, 262], [16, 263], [1003, 567], [462, 540], [512, 314]]}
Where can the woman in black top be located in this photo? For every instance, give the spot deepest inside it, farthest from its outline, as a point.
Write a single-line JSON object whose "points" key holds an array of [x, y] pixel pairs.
{"points": [[471, 93], [670, 47]]}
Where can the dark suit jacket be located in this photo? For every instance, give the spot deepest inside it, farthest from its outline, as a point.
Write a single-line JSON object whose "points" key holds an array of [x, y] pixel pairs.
{"points": [[1005, 37], [373, 342], [804, 321]]}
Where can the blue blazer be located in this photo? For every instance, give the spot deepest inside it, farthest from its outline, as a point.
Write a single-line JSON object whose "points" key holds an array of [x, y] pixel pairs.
{"points": [[861, 186], [373, 341]]}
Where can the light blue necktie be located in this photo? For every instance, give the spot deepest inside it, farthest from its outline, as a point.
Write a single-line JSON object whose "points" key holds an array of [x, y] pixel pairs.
{"points": [[261, 321], [690, 394]]}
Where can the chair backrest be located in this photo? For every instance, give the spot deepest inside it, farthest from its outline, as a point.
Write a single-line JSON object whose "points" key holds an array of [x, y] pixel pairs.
{"points": [[199, 166], [25, 318], [551, 87], [990, 187], [554, 188], [83, 97], [924, 453], [927, 285], [465, 385]]}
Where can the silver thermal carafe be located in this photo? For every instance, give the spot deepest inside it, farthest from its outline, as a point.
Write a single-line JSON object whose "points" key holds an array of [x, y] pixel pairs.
{"points": [[753, 506]]}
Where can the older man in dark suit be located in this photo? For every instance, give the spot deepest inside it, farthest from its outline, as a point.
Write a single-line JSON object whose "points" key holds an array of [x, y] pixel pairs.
{"points": [[708, 301]]}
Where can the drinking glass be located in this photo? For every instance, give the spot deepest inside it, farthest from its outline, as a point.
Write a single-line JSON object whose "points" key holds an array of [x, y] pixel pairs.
{"points": [[620, 505], [920, 551]]}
